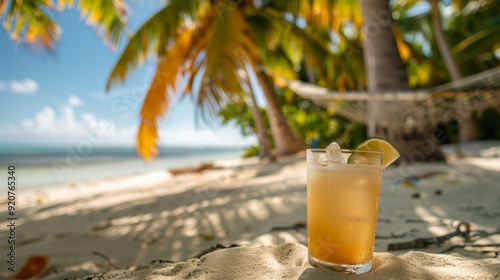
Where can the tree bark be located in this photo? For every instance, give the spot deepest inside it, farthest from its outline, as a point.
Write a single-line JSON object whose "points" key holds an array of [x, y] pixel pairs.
{"points": [[386, 72], [380, 52], [286, 140]]}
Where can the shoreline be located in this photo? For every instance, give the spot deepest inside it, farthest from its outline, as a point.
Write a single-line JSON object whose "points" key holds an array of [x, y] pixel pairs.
{"points": [[70, 171], [65, 192]]}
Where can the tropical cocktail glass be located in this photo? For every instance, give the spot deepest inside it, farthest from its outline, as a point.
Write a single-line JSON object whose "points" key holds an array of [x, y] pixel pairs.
{"points": [[342, 205]]}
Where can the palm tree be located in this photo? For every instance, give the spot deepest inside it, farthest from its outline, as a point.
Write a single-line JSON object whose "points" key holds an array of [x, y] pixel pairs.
{"points": [[466, 35], [384, 68], [206, 43], [379, 48], [469, 29], [468, 128], [386, 71], [264, 142]]}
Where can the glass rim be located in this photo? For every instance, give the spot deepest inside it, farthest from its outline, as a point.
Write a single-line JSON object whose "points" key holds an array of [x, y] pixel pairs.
{"points": [[345, 151]]}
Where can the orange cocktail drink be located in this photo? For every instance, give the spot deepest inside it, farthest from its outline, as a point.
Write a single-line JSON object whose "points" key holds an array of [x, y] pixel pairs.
{"points": [[342, 205]]}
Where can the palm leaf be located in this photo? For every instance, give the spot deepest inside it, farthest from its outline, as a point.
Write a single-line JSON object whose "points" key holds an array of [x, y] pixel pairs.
{"points": [[28, 21], [339, 69], [151, 38], [62, 4], [228, 45], [331, 14], [3, 4], [146, 139], [484, 33], [163, 85], [281, 50], [109, 16], [403, 47]]}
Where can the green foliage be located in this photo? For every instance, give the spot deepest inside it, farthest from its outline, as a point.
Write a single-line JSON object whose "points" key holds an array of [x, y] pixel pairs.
{"points": [[307, 119], [470, 28], [251, 151], [470, 32], [314, 123], [242, 115]]}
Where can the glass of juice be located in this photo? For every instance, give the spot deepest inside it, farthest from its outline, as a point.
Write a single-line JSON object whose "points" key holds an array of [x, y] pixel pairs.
{"points": [[343, 189]]}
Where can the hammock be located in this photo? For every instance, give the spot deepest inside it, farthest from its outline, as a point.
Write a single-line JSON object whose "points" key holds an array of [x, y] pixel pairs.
{"points": [[411, 110]]}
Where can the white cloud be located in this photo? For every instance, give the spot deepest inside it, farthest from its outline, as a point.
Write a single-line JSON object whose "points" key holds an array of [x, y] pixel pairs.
{"points": [[26, 86], [73, 100], [68, 123], [62, 124], [51, 124]]}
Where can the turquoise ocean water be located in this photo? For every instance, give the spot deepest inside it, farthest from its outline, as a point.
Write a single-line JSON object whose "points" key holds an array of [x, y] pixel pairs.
{"points": [[47, 166]]}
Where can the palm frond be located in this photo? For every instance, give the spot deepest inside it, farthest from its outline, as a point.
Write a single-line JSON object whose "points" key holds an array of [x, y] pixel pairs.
{"points": [[147, 137], [161, 89], [490, 31], [3, 4], [229, 44], [331, 14], [62, 4], [153, 36], [403, 47], [281, 51], [109, 16], [337, 64], [28, 21]]}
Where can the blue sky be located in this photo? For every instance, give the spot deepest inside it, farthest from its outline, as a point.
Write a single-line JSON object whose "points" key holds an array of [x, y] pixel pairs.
{"points": [[60, 98]]}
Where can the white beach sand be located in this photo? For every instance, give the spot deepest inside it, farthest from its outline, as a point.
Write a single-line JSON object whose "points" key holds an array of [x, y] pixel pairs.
{"points": [[138, 219]]}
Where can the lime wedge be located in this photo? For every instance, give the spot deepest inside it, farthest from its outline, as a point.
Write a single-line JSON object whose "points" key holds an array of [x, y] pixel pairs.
{"points": [[378, 145]]}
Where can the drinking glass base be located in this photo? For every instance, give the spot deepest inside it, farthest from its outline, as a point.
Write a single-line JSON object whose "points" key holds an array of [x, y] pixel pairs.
{"points": [[344, 268]]}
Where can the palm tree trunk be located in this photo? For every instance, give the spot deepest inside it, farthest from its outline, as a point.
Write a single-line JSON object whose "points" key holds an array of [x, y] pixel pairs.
{"points": [[468, 129], [386, 72], [286, 141], [380, 53], [264, 143], [443, 46]]}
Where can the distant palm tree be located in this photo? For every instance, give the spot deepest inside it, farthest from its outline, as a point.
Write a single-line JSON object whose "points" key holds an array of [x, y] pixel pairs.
{"points": [[442, 42]]}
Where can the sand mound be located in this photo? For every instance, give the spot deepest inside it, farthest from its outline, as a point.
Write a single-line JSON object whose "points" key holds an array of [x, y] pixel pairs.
{"points": [[289, 261]]}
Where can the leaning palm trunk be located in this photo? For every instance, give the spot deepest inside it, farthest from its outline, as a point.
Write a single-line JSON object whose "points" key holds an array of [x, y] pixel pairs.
{"points": [[264, 143], [386, 72], [443, 46], [285, 140], [468, 129]]}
